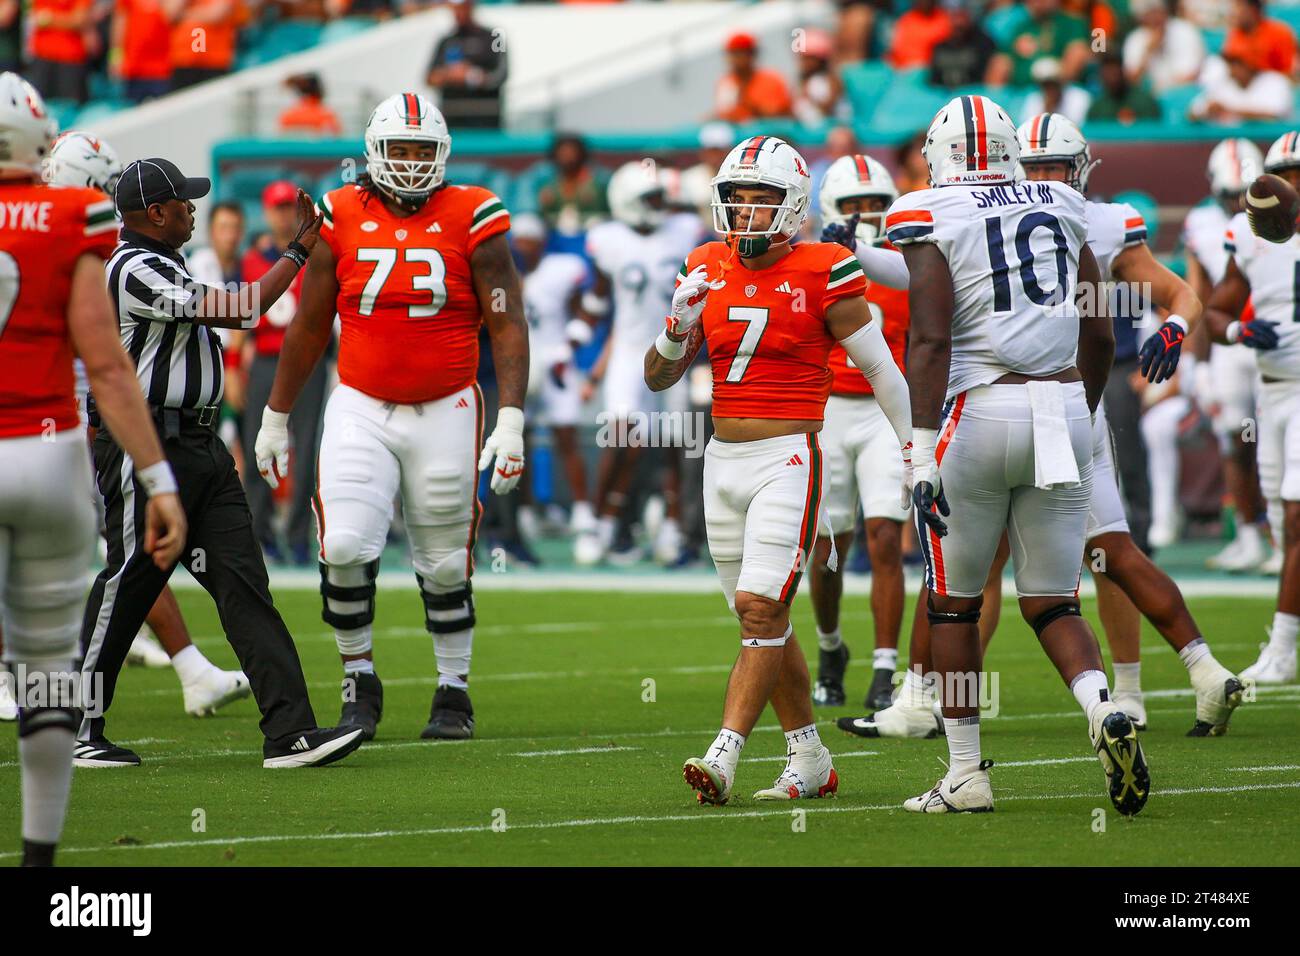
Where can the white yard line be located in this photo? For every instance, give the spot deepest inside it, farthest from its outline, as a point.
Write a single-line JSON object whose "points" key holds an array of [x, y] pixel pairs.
{"points": [[837, 757], [565, 753], [1280, 766], [702, 814], [1001, 764]]}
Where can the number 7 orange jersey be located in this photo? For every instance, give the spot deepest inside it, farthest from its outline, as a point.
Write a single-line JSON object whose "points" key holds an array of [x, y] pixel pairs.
{"points": [[766, 329], [409, 313]]}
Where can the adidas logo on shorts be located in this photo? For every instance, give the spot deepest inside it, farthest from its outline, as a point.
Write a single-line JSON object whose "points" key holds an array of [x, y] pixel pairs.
{"points": [[795, 460]]}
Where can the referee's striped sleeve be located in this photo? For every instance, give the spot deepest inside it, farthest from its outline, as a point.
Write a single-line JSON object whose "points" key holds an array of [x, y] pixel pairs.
{"points": [[152, 288]]}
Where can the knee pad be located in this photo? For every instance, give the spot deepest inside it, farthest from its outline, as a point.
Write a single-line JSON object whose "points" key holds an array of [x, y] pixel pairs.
{"points": [[341, 548], [32, 720], [343, 589], [1040, 623], [768, 641], [446, 612], [949, 617]]}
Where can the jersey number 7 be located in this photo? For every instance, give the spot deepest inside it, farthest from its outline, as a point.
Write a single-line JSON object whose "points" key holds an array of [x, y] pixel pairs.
{"points": [[757, 319]]}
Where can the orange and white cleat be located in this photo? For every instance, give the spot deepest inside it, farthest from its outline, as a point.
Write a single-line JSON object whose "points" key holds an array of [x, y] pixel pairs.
{"points": [[708, 780], [806, 774]]}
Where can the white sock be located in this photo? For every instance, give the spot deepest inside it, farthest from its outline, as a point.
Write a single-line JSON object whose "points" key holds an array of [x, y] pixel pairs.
{"points": [[1087, 689], [803, 740], [362, 665], [583, 516], [963, 745], [190, 665], [1128, 677], [1248, 534], [1282, 636], [829, 640], [885, 659], [453, 653], [605, 528], [1194, 653], [725, 751], [917, 691]]}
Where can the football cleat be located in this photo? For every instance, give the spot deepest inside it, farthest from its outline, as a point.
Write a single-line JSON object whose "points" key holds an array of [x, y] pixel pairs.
{"points": [[8, 705], [831, 665], [312, 748], [899, 719], [1272, 566], [147, 652], [451, 717], [1218, 693], [363, 703], [970, 793], [1241, 554], [806, 774], [587, 549], [708, 780], [1115, 741], [214, 690], [881, 693], [90, 754], [1275, 666], [1131, 702]]}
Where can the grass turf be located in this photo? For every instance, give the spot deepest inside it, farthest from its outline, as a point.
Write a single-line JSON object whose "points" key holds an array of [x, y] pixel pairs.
{"points": [[581, 768]]}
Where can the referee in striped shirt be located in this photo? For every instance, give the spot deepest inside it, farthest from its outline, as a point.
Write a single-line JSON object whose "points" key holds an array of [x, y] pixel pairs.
{"points": [[167, 322]]}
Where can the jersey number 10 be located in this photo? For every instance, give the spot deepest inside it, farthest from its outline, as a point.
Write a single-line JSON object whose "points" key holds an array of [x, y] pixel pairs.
{"points": [[1025, 254]]}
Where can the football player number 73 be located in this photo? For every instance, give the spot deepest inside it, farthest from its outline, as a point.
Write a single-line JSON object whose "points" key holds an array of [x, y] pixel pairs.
{"points": [[384, 260]]}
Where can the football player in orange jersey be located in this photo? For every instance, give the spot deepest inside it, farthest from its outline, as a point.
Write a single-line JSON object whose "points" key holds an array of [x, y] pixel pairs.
{"points": [[770, 313], [53, 302], [413, 266], [860, 454]]}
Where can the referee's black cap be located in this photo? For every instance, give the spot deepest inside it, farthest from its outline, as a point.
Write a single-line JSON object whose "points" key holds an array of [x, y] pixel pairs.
{"points": [[149, 181]]}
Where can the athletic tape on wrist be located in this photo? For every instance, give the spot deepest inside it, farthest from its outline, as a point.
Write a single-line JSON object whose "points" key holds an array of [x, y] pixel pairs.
{"points": [[668, 347]]}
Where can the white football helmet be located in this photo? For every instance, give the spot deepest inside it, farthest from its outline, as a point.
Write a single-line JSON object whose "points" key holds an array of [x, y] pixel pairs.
{"points": [[26, 129], [971, 140], [765, 161], [1234, 164], [1053, 138], [406, 117], [1284, 153], [78, 158], [857, 177], [636, 195]]}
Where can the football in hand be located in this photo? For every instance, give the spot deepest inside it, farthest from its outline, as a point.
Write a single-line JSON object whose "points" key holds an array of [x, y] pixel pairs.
{"points": [[1272, 207]]}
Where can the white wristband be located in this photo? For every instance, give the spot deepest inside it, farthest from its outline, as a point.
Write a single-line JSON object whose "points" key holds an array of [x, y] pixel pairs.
{"points": [[157, 479], [1179, 321], [669, 348], [510, 418], [924, 441], [1234, 332], [594, 304], [273, 419]]}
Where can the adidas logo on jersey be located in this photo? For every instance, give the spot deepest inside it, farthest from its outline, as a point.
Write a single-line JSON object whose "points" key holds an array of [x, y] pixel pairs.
{"points": [[434, 228], [462, 404], [785, 287], [795, 460]]}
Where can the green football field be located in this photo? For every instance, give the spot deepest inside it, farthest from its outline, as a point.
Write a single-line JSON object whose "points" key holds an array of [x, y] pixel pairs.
{"points": [[587, 704]]}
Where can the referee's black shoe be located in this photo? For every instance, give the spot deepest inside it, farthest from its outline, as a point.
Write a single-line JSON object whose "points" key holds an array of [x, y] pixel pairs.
{"points": [[451, 717], [102, 752], [363, 703], [311, 748]]}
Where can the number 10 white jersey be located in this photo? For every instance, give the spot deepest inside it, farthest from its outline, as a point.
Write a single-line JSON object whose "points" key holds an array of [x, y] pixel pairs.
{"points": [[1013, 252]]}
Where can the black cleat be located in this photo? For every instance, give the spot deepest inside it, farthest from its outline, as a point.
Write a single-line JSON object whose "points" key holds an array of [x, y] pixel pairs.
{"points": [[311, 748], [451, 717], [102, 752], [363, 703], [38, 854], [881, 694], [831, 665], [1126, 768]]}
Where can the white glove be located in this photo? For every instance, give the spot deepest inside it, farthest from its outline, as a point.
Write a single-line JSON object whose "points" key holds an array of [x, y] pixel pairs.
{"points": [[506, 445], [272, 446], [908, 477], [688, 302]]}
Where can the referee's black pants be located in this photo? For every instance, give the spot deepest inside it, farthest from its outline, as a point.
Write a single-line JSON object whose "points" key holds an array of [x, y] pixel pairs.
{"points": [[220, 553]]}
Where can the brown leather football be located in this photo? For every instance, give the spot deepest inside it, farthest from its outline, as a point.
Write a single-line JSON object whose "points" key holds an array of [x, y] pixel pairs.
{"points": [[1272, 207]]}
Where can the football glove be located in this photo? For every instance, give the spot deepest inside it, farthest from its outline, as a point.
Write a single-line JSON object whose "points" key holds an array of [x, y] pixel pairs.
{"points": [[1159, 355], [272, 446], [688, 302], [842, 233], [927, 498], [1258, 334], [505, 446], [908, 475]]}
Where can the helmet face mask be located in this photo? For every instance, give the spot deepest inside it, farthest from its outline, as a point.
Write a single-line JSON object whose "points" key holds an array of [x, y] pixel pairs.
{"points": [[760, 195], [860, 183], [407, 147]]}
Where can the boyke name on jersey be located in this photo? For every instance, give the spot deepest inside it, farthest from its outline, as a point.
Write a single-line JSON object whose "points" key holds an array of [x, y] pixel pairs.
{"points": [[28, 216], [77, 909], [1013, 194]]}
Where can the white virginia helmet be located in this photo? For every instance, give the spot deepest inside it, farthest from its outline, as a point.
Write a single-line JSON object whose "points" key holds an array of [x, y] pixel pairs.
{"points": [[1053, 138], [857, 177], [971, 140], [78, 158], [1284, 152], [1234, 164], [26, 129], [762, 161], [637, 196], [406, 117]]}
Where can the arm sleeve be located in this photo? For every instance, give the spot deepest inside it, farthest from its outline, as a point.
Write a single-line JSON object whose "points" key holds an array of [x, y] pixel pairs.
{"points": [[883, 266], [870, 353]]}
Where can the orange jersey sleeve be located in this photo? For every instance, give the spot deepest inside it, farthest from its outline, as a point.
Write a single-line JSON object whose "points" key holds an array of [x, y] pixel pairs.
{"points": [[406, 301], [766, 329], [889, 308], [44, 230]]}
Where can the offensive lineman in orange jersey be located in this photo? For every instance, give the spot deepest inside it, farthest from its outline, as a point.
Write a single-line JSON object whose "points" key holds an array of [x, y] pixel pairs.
{"points": [[53, 303], [770, 314], [413, 266], [862, 460]]}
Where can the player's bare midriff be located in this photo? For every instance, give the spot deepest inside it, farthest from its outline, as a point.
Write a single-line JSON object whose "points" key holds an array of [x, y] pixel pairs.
{"points": [[1070, 374], [756, 429]]}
